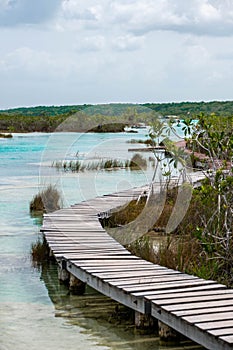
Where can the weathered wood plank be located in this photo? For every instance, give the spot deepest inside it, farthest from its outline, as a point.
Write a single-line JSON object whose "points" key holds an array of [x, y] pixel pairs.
{"points": [[184, 294], [142, 273], [151, 280], [167, 285], [228, 339], [221, 331], [203, 311], [150, 295], [209, 317], [193, 299], [215, 325], [107, 269], [198, 305]]}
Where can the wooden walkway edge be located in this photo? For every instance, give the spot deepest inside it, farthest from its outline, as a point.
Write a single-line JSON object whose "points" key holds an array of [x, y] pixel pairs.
{"points": [[200, 309]]}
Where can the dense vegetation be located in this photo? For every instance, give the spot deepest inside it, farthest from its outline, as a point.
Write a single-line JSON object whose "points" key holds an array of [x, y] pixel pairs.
{"points": [[87, 117], [184, 109], [117, 109], [202, 242]]}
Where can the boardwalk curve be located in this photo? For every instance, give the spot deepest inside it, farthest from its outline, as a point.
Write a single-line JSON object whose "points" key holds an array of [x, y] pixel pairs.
{"points": [[200, 309]]}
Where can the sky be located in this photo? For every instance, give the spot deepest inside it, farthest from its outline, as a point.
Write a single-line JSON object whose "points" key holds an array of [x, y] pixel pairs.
{"points": [[58, 52]]}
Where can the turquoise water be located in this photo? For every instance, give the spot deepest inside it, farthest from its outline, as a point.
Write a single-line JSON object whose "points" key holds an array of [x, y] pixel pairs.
{"points": [[30, 299]]}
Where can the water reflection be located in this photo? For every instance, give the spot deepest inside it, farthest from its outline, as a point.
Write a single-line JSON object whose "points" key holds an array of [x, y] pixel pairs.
{"points": [[100, 317]]}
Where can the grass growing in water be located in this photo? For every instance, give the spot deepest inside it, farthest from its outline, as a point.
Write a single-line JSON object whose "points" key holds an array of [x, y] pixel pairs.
{"points": [[137, 162], [39, 253], [47, 200]]}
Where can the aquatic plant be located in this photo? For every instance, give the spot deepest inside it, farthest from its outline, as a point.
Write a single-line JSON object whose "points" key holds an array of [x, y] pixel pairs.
{"points": [[78, 166], [47, 200], [39, 252]]}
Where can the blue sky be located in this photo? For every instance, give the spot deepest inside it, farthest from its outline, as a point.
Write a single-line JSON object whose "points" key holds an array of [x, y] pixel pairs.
{"points": [[60, 52]]}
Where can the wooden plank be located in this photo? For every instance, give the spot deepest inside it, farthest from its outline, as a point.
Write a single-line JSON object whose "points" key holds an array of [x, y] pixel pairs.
{"points": [[207, 326], [193, 299], [84, 249], [108, 262], [80, 235], [184, 294], [90, 244], [153, 294], [74, 233], [151, 280], [133, 261], [209, 317], [167, 285], [221, 331], [83, 241], [72, 229], [105, 269], [198, 305], [68, 218], [102, 257], [142, 273], [228, 339], [72, 225], [203, 311]]}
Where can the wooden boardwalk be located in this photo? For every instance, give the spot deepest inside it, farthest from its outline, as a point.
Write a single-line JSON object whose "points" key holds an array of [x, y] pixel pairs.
{"points": [[200, 309]]}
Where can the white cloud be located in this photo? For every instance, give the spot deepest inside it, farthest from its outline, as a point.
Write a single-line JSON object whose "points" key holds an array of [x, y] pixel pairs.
{"points": [[209, 13], [90, 43], [75, 9], [25, 62], [106, 50], [127, 42], [199, 17]]}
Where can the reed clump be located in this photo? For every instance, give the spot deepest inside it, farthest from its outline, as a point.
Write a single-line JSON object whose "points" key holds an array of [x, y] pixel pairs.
{"points": [[76, 166], [47, 200], [39, 253]]}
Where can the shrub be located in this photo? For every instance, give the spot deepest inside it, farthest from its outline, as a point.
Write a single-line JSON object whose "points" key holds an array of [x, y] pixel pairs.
{"points": [[137, 162]]}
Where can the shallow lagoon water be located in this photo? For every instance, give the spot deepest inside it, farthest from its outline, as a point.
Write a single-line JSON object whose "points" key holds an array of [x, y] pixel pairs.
{"points": [[30, 299]]}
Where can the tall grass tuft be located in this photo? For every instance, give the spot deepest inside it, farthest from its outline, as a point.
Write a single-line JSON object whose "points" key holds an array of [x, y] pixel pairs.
{"points": [[47, 200], [39, 253]]}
